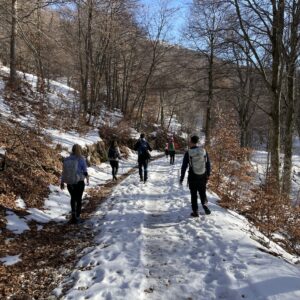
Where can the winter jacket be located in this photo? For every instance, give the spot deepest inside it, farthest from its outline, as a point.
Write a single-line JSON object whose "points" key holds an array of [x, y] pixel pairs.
{"points": [[141, 156], [117, 151]]}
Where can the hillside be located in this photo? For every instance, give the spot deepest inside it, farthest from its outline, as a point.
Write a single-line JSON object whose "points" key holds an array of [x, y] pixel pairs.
{"points": [[137, 240]]}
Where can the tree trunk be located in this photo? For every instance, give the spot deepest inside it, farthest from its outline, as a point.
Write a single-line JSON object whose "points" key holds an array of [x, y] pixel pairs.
{"points": [[83, 91], [210, 94], [40, 84], [13, 70], [162, 115], [290, 115]]}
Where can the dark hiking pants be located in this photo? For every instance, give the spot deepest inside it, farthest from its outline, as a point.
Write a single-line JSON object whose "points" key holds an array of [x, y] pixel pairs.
{"points": [[76, 191], [198, 185], [115, 167], [143, 164], [172, 157]]}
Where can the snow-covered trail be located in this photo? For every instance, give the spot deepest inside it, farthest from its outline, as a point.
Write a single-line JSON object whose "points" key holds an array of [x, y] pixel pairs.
{"points": [[149, 248]]}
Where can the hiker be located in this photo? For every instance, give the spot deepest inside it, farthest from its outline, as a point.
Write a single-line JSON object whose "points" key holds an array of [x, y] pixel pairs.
{"points": [[74, 173], [166, 150], [143, 148], [199, 171], [171, 150], [114, 155]]}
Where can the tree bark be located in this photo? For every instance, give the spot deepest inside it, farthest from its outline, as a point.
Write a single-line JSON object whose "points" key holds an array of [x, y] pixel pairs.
{"points": [[210, 93], [13, 70], [292, 56]]}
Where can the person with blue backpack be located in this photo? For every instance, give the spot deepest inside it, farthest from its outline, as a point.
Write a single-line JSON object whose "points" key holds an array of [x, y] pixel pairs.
{"points": [[196, 158], [74, 173], [143, 148], [114, 155]]}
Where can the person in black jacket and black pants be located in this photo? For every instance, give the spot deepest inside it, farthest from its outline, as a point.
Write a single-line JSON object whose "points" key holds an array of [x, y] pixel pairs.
{"points": [[143, 148], [114, 155], [199, 171]]}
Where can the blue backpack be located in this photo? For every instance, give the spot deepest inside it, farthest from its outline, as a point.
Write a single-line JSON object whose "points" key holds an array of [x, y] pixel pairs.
{"points": [[143, 150]]}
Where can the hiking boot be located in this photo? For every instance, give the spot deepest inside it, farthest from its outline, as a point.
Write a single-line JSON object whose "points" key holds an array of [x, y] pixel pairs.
{"points": [[115, 178], [73, 220], [206, 210], [194, 214], [141, 179]]}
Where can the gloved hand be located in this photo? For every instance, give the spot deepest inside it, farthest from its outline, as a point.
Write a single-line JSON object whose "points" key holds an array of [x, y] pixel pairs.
{"points": [[62, 186]]}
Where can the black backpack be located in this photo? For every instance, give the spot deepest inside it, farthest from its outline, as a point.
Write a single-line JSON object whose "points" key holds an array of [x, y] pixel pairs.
{"points": [[143, 150], [112, 153]]}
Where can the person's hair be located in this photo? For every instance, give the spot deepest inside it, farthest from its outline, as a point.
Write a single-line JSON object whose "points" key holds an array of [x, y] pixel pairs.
{"points": [[76, 150], [113, 144], [142, 135], [194, 139]]}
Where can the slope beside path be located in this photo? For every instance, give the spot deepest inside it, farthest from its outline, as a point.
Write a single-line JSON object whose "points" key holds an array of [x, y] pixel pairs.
{"points": [[147, 247]]}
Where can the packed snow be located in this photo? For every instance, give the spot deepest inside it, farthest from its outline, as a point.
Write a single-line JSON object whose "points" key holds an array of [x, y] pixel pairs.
{"points": [[149, 248]]}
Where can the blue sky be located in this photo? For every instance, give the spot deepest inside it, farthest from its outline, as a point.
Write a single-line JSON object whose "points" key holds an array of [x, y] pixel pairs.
{"points": [[179, 17]]}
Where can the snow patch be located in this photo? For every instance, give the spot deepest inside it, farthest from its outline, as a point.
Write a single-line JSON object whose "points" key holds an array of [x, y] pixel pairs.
{"points": [[10, 260], [20, 203], [68, 139], [14, 223]]}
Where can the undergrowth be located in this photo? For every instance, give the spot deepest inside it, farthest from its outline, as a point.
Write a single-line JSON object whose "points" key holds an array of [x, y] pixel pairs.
{"points": [[234, 179]]}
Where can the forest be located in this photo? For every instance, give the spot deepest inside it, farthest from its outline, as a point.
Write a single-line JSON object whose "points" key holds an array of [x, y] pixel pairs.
{"points": [[102, 69]]}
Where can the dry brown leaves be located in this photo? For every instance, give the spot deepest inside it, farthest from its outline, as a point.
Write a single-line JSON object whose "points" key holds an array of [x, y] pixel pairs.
{"points": [[233, 180], [45, 260]]}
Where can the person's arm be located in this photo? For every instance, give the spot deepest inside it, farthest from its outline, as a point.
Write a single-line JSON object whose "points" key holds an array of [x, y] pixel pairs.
{"points": [[62, 184], [207, 165], [184, 165], [84, 170], [149, 148], [136, 146], [119, 153]]}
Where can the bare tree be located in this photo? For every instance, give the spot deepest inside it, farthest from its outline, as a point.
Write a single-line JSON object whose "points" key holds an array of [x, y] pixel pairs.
{"points": [[155, 48], [205, 31], [261, 25], [245, 91]]}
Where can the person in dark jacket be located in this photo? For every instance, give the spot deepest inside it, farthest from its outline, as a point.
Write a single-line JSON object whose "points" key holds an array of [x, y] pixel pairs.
{"points": [[143, 148], [114, 155], [199, 171], [76, 189], [171, 150]]}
